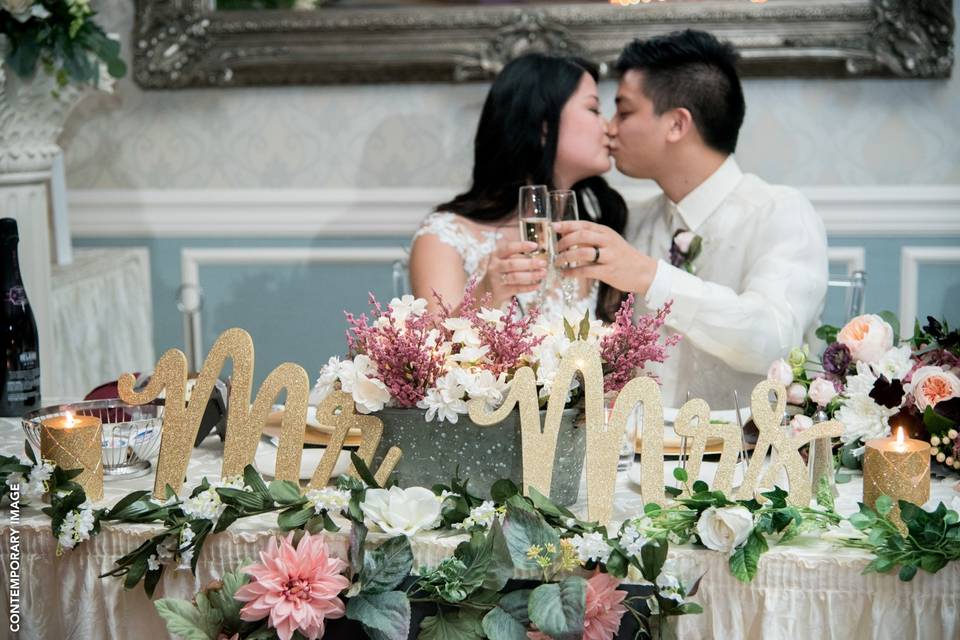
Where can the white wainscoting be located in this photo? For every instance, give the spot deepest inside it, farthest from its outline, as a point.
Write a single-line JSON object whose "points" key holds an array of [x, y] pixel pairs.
{"points": [[863, 210], [191, 259], [853, 258], [911, 258]]}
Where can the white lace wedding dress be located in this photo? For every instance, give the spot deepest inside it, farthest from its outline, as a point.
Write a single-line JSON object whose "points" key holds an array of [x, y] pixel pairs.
{"points": [[474, 249]]}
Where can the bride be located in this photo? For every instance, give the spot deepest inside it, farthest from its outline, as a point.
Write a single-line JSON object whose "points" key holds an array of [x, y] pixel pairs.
{"points": [[541, 124]]}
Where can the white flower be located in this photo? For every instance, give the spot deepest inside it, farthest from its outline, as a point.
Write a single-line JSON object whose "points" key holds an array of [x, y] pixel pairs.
{"points": [[722, 529], [822, 391], [401, 511], [683, 240], [463, 331], [356, 378], [780, 372], [445, 400], [895, 363], [483, 386], [862, 418], [327, 499], [186, 555], [153, 563], [796, 393], [868, 337], [800, 423], [403, 308], [23, 10], [591, 547], [207, 504], [167, 550], [329, 373], [632, 538], [493, 316], [470, 354], [482, 516], [76, 526]]}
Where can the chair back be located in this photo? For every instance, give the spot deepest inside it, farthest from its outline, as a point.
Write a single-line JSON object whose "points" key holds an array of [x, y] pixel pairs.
{"points": [[855, 285]]}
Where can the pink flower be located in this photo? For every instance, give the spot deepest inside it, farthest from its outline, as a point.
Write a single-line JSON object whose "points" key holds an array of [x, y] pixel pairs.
{"points": [[796, 394], [799, 424], [932, 385], [298, 588], [868, 337], [631, 345], [822, 391], [604, 610], [780, 372]]}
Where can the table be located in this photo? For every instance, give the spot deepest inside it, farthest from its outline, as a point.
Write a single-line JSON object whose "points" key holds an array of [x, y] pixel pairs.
{"points": [[807, 589]]}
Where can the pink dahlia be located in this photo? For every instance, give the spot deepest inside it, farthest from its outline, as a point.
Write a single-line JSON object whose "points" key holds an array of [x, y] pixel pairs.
{"points": [[604, 610], [298, 588]]}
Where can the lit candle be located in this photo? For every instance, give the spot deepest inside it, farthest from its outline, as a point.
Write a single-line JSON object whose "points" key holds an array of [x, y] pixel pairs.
{"points": [[897, 467], [74, 442]]}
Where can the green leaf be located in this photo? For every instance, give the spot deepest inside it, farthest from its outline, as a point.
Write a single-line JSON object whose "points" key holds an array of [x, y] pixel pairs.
{"points": [[476, 555], [223, 600], [185, 620], [879, 565], [523, 529], [500, 569], [653, 555], [509, 620], [363, 471], [827, 333], [746, 558], [680, 474], [617, 565], [558, 608], [253, 480], [861, 520], [464, 624], [585, 326], [544, 504], [931, 563], [227, 518], [244, 499], [935, 423], [294, 518], [127, 506], [907, 572], [387, 613], [825, 493], [386, 566], [883, 505], [894, 322], [284, 492], [700, 486], [502, 490]]}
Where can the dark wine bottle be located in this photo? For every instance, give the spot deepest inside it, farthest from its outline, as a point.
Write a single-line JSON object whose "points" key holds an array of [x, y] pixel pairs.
{"points": [[19, 343]]}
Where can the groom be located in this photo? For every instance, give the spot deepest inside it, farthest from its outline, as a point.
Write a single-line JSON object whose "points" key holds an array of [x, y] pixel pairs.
{"points": [[744, 262]]}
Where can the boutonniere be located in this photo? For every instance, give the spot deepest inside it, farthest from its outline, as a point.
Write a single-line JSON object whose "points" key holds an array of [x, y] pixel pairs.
{"points": [[684, 250]]}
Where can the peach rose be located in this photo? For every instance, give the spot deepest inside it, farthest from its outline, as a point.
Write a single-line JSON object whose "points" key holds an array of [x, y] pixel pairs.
{"points": [[867, 337], [933, 384]]}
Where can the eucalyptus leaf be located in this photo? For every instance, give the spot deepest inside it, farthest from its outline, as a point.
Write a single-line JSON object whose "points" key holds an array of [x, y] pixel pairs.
{"points": [[386, 613], [463, 624], [558, 608], [524, 529], [185, 620], [386, 566]]}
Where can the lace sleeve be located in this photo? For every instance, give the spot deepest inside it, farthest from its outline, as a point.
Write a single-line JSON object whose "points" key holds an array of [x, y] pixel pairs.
{"points": [[449, 231]]}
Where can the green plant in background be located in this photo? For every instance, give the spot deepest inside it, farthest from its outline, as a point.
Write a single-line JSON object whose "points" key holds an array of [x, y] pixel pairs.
{"points": [[61, 37]]}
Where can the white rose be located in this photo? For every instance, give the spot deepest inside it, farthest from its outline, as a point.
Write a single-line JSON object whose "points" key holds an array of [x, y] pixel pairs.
{"points": [[683, 240], [725, 528], [369, 393], [403, 308], [401, 511], [780, 372], [822, 391], [868, 337], [799, 424], [796, 393], [931, 385]]}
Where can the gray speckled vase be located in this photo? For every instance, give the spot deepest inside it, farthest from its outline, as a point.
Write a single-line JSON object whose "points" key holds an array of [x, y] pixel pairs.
{"points": [[433, 450]]}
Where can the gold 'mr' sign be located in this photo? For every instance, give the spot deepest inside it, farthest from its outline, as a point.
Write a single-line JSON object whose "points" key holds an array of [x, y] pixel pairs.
{"points": [[181, 422]]}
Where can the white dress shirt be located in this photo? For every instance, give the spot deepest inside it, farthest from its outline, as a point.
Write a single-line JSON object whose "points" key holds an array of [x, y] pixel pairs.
{"points": [[759, 288]]}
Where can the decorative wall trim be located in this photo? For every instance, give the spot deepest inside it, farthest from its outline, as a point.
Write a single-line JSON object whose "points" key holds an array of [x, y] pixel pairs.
{"points": [[191, 259], [855, 258], [855, 211], [910, 260]]}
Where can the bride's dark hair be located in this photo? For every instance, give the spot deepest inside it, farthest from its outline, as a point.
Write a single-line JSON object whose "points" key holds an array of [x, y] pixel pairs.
{"points": [[516, 144]]}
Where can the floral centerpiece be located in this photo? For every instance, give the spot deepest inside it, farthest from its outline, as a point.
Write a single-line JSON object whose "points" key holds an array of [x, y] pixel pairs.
{"points": [[61, 37], [412, 367], [870, 380]]}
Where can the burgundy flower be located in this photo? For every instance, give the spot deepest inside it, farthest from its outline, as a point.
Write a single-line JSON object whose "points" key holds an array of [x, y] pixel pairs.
{"points": [[837, 359]]}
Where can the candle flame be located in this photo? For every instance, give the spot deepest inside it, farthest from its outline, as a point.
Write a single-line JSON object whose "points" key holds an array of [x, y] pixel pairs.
{"points": [[70, 420], [899, 435]]}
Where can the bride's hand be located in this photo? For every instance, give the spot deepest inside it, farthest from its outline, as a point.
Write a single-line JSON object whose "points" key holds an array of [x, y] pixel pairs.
{"points": [[510, 271], [590, 250]]}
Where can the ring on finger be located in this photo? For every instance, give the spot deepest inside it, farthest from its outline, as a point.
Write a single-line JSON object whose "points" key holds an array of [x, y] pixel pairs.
{"points": [[596, 255]]}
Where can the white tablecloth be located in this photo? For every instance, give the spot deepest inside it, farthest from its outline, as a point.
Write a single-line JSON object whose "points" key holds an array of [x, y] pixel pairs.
{"points": [[807, 589]]}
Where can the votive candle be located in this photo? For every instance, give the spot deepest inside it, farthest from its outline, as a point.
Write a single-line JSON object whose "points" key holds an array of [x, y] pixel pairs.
{"points": [[74, 442], [897, 467]]}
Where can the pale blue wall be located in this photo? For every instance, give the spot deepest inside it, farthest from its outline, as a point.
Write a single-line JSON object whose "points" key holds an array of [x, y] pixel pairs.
{"points": [[295, 313]]}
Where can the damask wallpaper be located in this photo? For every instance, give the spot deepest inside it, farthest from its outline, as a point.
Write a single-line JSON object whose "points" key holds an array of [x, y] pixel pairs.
{"points": [[801, 132]]}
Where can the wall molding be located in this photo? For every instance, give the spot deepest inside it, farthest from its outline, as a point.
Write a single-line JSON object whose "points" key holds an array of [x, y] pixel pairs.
{"points": [[854, 258], [852, 211], [911, 258]]}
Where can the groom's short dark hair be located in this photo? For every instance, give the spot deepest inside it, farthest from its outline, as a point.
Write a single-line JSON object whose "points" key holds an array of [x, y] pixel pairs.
{"points": [[693, 70]]}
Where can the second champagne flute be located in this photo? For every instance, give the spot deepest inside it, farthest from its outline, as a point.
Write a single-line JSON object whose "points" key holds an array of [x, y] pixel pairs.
{"points": [[534, 214]]}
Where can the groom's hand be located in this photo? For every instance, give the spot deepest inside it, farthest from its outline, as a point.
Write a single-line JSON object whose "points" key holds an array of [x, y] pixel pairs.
{"points": [[590, 250]]}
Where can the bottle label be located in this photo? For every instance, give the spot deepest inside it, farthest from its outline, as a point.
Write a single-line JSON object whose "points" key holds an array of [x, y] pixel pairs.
{"points": [[16, 295], [23, 385]]}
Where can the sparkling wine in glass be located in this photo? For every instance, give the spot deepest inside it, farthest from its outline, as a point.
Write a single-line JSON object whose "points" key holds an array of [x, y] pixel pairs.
{"points": [[534, 210]]}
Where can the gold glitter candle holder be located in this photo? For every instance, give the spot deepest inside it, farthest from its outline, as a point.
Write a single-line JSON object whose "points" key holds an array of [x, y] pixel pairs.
{"points": [[74, 442], [898, 468]]}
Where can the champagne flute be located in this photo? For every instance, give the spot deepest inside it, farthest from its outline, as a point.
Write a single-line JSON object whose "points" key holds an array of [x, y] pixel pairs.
{"points": [[563, 208], [534, 214]]}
